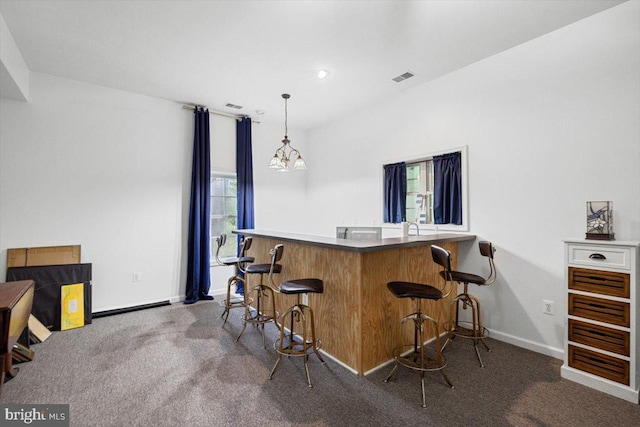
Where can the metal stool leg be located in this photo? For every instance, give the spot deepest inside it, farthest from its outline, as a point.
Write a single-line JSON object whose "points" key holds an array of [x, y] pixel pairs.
{"points": [[451, 325], [393, 371], [306, 370], [273, 371], [313, 338], [260, 318], [418, 360], [227, 304], [481, 329], [476, 331], [424, 396], [288, 346]]}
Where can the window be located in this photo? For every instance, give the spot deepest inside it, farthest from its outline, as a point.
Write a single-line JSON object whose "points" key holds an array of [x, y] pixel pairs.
{"points": [[420, 192], [224, 211], [420, 172]]}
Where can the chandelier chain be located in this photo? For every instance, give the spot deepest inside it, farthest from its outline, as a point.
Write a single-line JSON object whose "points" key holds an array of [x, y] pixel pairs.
{"points": [[286, 130]]}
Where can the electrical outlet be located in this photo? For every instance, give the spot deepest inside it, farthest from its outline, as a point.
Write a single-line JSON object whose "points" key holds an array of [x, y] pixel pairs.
{"points": [[547, 307], [137, 276]]}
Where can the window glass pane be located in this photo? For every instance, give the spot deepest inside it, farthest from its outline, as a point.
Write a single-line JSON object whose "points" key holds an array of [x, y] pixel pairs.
{"points": [[218, 224], [224, 212], [429, 175], [416, 190], [217, 206], [413, 171], [231, 204], [413, 185], [217, 186], [420, 192], [231, 187]]}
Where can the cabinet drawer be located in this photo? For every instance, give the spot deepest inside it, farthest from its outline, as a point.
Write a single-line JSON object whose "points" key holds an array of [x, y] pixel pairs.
{"points": [[598, 256], [599, 282], [607, 311], [600, 337], [599, 364]]}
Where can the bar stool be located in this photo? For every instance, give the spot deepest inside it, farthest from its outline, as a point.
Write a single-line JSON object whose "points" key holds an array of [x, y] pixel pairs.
{"points": [[240, 263], [262, 315], [418, 356], [473, 329], [305, 342]]}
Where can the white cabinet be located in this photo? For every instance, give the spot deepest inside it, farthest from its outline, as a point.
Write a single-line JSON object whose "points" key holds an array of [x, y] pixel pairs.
{"points": [[601, 341]]}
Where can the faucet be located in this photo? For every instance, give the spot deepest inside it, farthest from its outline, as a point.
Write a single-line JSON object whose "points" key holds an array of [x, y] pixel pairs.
{"points": [[417, 228]]}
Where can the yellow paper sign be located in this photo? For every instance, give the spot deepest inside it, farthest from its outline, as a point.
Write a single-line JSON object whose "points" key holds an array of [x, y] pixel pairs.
{"points": [[72, 310]]}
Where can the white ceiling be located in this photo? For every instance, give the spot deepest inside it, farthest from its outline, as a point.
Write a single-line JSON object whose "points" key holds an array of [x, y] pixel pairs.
{"points": [[250, 52]]}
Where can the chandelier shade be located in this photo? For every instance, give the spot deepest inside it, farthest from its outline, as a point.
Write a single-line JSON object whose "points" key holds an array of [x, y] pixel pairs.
{"points": [[286, 154]]}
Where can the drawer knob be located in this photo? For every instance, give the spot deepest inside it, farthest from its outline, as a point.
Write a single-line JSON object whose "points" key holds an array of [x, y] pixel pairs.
{"points": [[597, 256]]}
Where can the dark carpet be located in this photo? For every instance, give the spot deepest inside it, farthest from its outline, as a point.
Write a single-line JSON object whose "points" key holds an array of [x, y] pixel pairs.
{"points": [[177, 366]]}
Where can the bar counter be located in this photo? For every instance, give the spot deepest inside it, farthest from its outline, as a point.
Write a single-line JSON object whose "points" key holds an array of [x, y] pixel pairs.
{"points": [[357, 318]]}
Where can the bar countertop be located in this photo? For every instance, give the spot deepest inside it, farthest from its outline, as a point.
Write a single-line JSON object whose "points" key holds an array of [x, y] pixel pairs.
{"points": [[359, 245]]}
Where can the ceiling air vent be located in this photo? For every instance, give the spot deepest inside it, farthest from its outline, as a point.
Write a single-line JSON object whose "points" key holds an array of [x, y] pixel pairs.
{"points": [[403, 76], [230, 105]]}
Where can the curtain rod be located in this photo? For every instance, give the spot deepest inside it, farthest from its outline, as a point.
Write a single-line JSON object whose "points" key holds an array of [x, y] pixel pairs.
{"points": [[218, 113]]}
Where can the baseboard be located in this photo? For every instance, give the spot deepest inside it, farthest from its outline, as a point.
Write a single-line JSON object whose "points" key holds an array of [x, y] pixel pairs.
{"points": [[218, 291], [547, 350], [177, 299], [122, 310], [344, 365], [601, 384]]}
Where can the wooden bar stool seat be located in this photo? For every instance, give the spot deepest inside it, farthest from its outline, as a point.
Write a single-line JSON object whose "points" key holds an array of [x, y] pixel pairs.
{"points": [[303, 341], [418, 356]]}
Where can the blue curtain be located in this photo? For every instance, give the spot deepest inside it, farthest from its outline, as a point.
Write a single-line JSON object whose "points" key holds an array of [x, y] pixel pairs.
{"points": [[395, 192], [447, 182], [198, 274], [244, 169]]}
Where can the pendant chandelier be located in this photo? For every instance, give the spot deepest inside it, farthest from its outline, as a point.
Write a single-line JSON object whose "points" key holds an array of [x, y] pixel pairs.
{"points": [[285, 154]]}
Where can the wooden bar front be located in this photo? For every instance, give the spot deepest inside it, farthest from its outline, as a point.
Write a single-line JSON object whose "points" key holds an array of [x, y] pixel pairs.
{"points": [[357, 318]]}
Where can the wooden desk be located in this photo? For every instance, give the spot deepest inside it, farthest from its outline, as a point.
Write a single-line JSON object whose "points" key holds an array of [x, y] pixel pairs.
{"points": [[16, 299], [357, 318]]}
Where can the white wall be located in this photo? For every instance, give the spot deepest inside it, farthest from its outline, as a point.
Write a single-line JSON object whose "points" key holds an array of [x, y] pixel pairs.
{"points": [[111, 171], [106, 169], [549, 124], [14, 74], [280, 198]]}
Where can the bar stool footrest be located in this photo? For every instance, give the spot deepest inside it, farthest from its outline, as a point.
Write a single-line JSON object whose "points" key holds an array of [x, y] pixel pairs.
{"points": [[407, 356], [465, 330], [297, 349], [235, 302], [260, 318]]}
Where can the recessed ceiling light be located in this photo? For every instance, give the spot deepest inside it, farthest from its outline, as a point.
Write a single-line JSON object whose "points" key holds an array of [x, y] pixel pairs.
{"points": [[323, 74]]}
